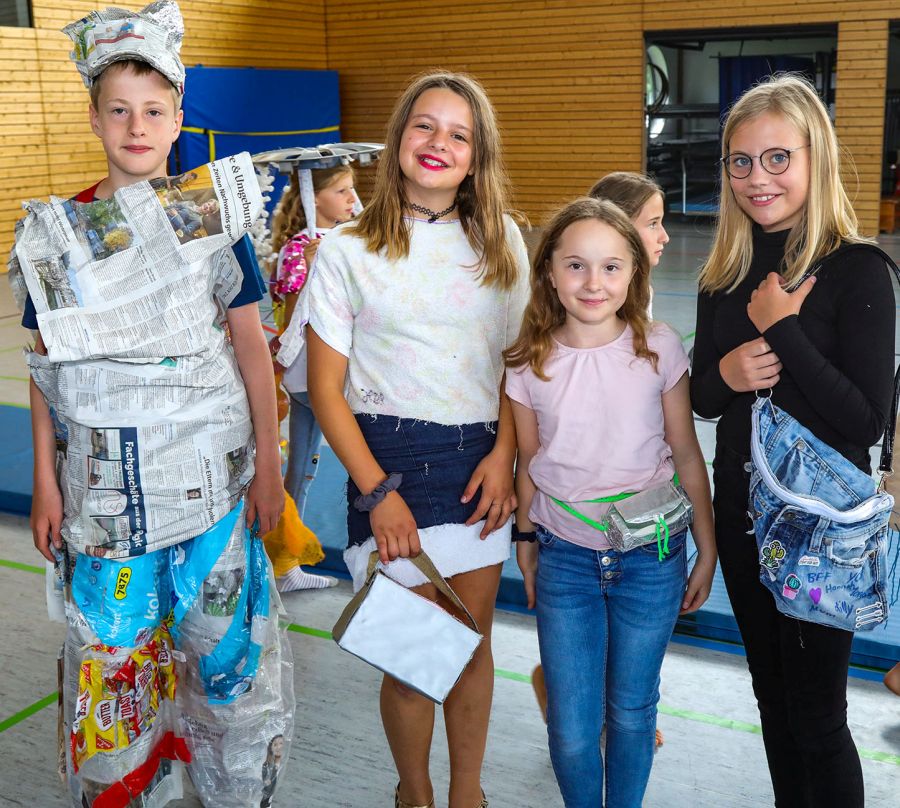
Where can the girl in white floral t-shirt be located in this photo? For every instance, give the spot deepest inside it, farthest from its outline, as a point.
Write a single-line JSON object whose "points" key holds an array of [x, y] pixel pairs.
{"points": [[411, 306]]}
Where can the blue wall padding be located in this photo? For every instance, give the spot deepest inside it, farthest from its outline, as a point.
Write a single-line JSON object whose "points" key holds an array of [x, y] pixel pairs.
{"points": [[246, 99], [16, 459]]}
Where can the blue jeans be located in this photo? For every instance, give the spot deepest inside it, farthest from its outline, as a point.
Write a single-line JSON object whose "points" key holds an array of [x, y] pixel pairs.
{"points": [[604, 619], [303, 453]]}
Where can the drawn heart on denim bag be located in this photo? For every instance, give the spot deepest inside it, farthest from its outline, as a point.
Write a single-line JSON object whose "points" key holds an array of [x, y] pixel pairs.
{"points": [[816, 594]]}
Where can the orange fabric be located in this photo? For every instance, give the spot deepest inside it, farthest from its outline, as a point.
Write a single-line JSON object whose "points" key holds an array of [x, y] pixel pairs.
{"points": [[291, 543]]}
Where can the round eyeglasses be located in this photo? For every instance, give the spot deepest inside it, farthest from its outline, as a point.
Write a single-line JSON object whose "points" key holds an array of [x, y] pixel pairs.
{"points": [[776, 161]]}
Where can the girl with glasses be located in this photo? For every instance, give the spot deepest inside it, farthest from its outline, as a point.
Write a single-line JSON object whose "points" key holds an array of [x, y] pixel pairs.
{"points": [[824, 345]]}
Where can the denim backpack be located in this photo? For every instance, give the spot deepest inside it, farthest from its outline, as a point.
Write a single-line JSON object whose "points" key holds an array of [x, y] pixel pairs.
{"points": [[820, 523]]}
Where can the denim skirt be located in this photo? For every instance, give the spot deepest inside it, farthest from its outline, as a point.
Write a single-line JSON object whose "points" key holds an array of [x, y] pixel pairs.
{"points": [[437, 462]]}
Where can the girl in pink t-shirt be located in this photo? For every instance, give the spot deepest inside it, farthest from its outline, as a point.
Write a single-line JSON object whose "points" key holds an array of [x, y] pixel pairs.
{"points": [[600, 400]]}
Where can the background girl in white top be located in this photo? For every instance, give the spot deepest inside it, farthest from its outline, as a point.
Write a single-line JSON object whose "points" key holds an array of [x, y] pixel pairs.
{"points": [[294, 242], [600, 399], [411, 306]]}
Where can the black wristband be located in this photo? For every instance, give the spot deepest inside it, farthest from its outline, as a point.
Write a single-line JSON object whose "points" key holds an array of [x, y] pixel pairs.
{"points": [[523, 535], [366, 502]]}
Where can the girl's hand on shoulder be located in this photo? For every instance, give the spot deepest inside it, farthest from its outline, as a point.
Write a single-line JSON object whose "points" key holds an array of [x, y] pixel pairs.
{"points": [[310, 250], [769, 302], [394, 529], [494, 475], [699, 584], [527, 558], [265, 501], [751, 366], [46, 518]]}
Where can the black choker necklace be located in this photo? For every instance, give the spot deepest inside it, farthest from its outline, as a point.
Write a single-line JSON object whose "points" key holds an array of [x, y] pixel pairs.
{"points": [[433, 216]]}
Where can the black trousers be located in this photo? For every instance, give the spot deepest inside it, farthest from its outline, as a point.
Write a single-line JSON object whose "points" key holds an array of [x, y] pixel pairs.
{"points": [[799, 669]]}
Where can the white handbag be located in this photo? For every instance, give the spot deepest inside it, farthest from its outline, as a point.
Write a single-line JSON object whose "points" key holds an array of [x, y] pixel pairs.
{"points": [[406, 635]]}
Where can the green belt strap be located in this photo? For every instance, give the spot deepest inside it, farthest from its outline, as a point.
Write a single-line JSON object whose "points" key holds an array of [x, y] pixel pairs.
{"points": [[662, 528]]}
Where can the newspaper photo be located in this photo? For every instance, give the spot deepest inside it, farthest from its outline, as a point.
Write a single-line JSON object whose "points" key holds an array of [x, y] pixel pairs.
{"points": [[191, 204]]}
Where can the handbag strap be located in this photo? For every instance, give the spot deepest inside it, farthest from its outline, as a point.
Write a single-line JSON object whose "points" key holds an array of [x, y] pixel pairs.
{"points": [[885, 465], [426, 566]]}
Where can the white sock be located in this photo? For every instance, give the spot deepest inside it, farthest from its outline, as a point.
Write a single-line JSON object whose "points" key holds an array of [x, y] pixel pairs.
{"points": [[298, 578]]}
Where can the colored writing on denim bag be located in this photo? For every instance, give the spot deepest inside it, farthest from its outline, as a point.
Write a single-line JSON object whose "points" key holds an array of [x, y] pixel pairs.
{"points": [[843, 607]]}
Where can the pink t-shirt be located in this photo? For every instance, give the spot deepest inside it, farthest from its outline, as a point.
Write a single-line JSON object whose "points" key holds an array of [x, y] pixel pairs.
{"points": [[600, 424]]}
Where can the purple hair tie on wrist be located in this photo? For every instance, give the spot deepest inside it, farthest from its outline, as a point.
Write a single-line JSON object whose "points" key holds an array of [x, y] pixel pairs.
{"points": [[367, 502]]}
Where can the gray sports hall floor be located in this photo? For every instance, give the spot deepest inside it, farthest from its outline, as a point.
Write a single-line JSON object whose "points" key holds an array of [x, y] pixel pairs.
{"points": [[713, 753]]}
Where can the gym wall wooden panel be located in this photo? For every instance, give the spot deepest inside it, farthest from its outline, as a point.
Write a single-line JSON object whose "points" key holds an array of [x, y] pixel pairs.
{"points": [[46, 145], [567, 77], [861, 70]]}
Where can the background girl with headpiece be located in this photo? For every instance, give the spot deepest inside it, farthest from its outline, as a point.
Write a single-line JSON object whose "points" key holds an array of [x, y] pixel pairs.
{"points": [[331, 198]]}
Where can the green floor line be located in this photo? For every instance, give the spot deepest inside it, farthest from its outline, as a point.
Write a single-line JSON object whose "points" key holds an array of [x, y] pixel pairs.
{"points": [[500, 673], [312, 632], [686, 337], [17, 565], [14, 378], [515, 677], [13, 404], [29, 711]]}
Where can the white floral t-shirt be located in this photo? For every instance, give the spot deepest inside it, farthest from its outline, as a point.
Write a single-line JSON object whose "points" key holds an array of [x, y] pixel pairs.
{"points": [[422, 334]]}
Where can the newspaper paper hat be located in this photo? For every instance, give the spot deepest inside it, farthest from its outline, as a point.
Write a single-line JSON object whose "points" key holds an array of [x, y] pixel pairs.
{"points": [[152, 35], [305, 160]]}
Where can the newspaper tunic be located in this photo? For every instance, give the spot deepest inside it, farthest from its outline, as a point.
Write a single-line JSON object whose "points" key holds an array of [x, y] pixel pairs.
{"points": [[154, 437]]}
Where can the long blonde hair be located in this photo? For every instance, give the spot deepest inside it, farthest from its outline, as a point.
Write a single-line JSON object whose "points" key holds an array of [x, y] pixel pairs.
{"points": [[482, 198], [289, 217], [545, 313], [828, 217]]}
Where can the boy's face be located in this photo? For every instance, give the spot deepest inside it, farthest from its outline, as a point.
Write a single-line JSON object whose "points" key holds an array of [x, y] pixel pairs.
{"points": [[135, 118]]}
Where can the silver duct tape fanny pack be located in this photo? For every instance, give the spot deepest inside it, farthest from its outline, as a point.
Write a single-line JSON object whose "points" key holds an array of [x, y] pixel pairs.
{"points": [[647, 517], [406, 635]]}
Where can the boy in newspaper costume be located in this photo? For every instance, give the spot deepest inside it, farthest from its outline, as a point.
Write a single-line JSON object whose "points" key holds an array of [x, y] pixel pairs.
{"points": [[155, 446]]}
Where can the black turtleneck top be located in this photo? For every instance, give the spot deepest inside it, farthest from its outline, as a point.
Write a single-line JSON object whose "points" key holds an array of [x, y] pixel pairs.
{"points": [[838, 353]]}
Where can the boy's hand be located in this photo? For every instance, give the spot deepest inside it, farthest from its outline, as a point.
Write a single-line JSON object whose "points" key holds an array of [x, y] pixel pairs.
{"points": [[527, 556], [494, 474], [265, 501], [46, 517], [699, 584], [394, 529]]}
